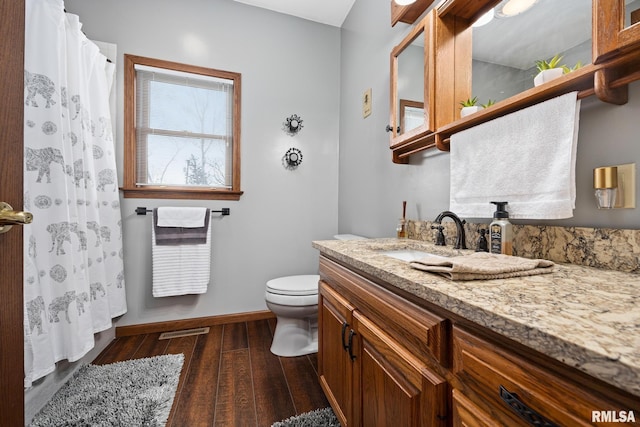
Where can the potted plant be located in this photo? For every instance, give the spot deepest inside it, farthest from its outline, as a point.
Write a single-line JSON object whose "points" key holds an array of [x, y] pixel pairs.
{"points": [[567, 70], [469, 106], [548, 70], [489, 103]]}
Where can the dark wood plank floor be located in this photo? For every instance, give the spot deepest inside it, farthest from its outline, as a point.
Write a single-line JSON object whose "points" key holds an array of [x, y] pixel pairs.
{"points": [[229, 376]]}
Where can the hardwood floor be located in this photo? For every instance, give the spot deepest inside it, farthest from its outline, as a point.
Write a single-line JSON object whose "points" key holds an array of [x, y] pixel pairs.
{"points": [[229, 376]]}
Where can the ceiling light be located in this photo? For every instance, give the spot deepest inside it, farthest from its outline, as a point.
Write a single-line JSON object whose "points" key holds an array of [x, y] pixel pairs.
{"points": [[484, 19], [514, 7], [404, 2]]}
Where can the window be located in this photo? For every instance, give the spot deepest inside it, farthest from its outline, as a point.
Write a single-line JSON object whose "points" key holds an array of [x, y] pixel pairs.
{"points": [[182, 131]]}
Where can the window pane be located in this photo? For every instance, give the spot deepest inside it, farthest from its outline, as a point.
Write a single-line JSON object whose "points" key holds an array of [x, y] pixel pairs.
{"points": [[175, 160], [188, 109]]}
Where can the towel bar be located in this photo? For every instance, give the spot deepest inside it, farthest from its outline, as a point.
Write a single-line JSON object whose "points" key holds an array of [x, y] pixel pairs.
{"points": [[141, 210]]}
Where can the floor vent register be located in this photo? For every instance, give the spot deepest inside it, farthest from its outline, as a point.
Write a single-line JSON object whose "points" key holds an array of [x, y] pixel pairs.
{"points": [[183, 333]]}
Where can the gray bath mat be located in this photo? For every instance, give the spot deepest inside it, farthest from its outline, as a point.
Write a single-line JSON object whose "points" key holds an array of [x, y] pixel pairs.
{"points": [[318, 418], [136, 392]]}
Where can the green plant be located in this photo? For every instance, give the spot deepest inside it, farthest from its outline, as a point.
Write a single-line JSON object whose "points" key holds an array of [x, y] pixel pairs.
{"points": [[469, 102], [542, 65], [488, 104], [567, 70]]}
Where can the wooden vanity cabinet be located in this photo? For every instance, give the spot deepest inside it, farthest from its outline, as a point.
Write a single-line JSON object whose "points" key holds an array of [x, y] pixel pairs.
{"points": [[385, 361], [368, 373]]}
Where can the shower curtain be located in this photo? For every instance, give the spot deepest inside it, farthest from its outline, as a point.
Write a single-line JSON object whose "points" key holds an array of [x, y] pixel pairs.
{"points": [[73, 268]]}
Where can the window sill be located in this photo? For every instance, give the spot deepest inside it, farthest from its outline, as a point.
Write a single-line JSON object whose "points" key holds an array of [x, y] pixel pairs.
{"points": [[179, 193]]}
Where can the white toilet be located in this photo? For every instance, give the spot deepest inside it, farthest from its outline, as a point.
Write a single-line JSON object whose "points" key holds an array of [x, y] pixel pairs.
{"points": [[294, 301]]}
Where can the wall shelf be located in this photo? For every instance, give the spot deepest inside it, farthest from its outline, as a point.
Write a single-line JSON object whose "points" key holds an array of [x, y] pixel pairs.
{"points": [[410, 13], [580, 80]]}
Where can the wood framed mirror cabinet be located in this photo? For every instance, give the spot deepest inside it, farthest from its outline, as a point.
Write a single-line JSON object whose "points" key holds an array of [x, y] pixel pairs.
{"points": [[422, 71], [604, 58]]}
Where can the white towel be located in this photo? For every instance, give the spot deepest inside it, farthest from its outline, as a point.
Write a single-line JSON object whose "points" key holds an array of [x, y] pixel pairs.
{"points": [[526, 158], [190, 217], [180, 269]]}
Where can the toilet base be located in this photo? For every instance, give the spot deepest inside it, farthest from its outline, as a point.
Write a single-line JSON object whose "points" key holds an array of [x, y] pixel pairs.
{"points": [[295, 337]]}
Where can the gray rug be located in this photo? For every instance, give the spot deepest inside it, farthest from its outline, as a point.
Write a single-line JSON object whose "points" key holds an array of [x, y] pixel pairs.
{"points": [[318, 418], [136, 392]]}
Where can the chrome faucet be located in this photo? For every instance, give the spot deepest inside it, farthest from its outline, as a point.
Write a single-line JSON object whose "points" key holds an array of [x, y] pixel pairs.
{"points": [[461, 239]]}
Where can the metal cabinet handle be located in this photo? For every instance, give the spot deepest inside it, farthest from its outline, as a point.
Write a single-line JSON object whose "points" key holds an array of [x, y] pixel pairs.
{"points": [[351, 334], [523, 411], [345, 325]]}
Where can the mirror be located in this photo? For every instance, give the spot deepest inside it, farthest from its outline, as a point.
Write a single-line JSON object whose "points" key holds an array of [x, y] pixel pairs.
{"points": [[412, 80], [410, 86], [505, 49], [631, 12], [411, 115]]}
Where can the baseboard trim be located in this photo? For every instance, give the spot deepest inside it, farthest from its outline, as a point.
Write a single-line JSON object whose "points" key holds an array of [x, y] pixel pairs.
{"points": [[199, 322]]}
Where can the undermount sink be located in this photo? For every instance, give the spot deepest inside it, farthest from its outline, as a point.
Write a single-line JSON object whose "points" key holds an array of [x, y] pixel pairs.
{"points": [[408, 254]]}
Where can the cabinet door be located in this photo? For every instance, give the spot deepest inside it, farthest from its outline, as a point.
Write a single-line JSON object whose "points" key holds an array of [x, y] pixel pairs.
{"points": [[334, 363], [616, 31], [391, 386]]}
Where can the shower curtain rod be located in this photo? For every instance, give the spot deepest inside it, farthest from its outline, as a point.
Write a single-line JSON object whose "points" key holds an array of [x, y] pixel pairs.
{"points": [[142, 210]]}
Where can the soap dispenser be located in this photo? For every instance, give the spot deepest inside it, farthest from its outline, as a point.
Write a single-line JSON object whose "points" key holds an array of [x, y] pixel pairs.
{"points": [[500, 231]]}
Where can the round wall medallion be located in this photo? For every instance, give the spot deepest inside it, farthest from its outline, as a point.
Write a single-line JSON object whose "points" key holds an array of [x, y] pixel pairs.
{"points": [[292, 158], [293, 124]]}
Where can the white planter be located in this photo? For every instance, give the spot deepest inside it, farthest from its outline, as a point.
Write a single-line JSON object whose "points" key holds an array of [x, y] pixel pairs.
{"points": [[465, 111], [547, 76]]}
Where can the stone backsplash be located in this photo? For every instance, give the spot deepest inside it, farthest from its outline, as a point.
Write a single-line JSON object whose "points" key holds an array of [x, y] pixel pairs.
{"points": [[606, 248]]}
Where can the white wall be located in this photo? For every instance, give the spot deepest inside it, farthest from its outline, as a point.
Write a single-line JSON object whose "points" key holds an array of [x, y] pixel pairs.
{"points": [[372, 188], [288, 66]]}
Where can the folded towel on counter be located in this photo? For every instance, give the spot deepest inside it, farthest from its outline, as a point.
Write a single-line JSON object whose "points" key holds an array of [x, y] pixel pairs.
{"points": [[191, 217], [483, 266], [527, 158], [180, 235]]}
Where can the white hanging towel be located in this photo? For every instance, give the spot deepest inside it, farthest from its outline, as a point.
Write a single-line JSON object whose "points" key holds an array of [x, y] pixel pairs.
{"points": [[189, 217], [181, 269], [526, 158]]}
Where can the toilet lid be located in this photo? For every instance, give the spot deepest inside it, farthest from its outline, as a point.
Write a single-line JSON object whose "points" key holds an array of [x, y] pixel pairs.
{"points": [[294, 285]]}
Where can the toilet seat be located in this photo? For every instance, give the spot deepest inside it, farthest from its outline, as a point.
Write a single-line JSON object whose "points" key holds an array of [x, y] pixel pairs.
{"points": [[294, 285], [293, 290]]}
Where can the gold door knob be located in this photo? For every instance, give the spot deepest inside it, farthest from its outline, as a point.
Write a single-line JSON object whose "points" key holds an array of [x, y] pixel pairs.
{"points": [[9, 217]]}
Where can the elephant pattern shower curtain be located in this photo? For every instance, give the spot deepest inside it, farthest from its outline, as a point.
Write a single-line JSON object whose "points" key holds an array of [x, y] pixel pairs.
{"points": [[73, 266]]}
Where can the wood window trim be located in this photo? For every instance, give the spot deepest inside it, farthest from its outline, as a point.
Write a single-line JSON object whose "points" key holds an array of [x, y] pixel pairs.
{"points": [[129, 187]]}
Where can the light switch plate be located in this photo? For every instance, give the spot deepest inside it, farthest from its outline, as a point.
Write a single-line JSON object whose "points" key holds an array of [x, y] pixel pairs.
{"points": [[366, 103], [626, 197]]}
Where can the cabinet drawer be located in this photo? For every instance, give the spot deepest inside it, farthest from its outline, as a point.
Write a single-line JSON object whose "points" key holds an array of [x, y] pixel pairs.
{"points": [[505, 384], [422, 332]]}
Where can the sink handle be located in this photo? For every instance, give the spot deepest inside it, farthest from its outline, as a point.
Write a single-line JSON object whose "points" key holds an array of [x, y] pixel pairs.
{"points": [[439, 236]]}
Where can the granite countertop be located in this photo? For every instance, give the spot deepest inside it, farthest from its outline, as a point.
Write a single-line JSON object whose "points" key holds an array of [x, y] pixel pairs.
{"points": [[585, 317]]}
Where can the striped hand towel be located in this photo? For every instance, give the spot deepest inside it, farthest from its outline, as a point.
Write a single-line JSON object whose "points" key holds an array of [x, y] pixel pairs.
{"points": [[180, 269]]}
